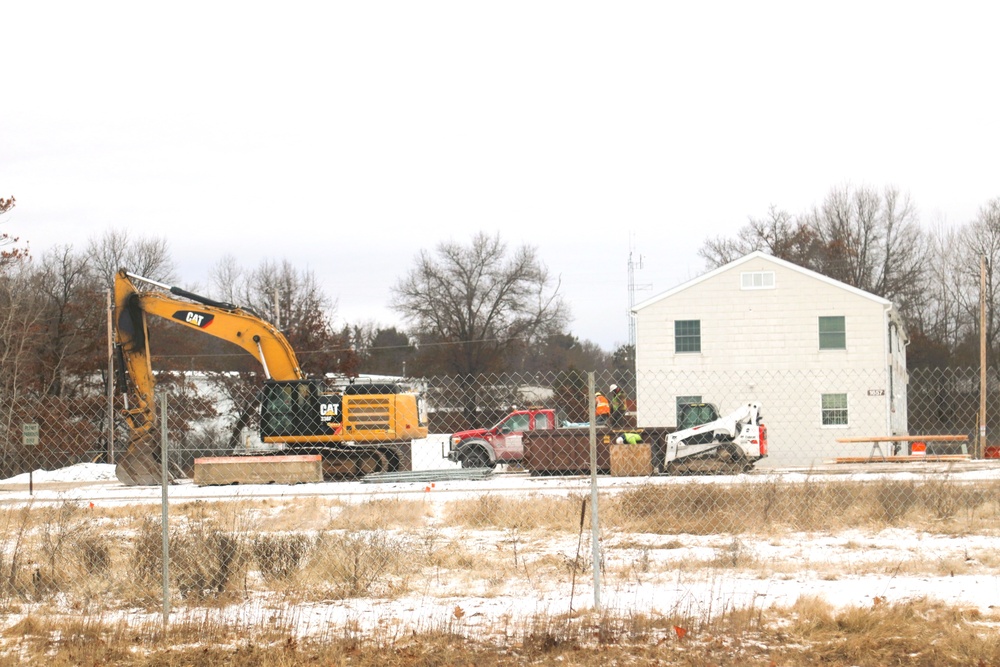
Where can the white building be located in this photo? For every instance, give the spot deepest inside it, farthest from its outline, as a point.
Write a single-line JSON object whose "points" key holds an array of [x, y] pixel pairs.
{"points": [[825, 360]]}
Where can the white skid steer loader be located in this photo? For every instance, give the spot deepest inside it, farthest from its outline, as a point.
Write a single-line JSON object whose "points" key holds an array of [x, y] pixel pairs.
{"points": [[738, 441]]}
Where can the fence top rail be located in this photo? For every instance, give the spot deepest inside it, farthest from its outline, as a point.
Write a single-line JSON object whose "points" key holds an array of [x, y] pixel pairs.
{"points": [[906, 438]]}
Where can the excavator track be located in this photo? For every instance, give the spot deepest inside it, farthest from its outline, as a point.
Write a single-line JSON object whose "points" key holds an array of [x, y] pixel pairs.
{"points": [[341, 464]]}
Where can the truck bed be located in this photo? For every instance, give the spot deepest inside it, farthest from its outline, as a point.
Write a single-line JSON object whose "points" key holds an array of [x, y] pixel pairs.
{"points": [[567, 450]]}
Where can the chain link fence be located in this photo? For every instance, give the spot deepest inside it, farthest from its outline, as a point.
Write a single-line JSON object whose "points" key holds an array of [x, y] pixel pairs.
{"points": [[512, 457]]}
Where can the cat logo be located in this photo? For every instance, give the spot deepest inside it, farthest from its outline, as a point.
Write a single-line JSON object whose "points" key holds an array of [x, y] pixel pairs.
{"points": [[193, 317], [329, 411]]}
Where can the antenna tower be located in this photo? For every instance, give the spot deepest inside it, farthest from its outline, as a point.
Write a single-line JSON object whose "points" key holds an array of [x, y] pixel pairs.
{"points": [[632, 287]]}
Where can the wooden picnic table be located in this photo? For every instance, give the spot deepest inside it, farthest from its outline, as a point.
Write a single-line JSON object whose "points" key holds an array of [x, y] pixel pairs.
{"points": [[877, 441]]}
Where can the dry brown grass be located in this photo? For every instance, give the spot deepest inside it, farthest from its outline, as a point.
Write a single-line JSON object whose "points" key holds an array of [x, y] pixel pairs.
{"points": [[921, 633], [313, 548], [771, 507], [511, 513], [380, 514]]}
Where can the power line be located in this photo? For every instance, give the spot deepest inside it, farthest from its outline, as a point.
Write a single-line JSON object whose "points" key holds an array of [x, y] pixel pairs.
{"points": [[340, 349]]}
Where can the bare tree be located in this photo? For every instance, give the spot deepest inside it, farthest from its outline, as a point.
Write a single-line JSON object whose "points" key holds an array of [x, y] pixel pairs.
{"points": [[980, 238], [18, 317], [20, 313], [118, 249], [778, 234], [294, 300], [865, 237], [227, 277], [9, 255], [69, 337], [384, 350], [872, 240], [475, 304], [940, 325]]}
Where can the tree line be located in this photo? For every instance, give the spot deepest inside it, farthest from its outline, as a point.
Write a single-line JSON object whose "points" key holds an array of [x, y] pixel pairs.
{"points": [[872, 238], [469, 310]]}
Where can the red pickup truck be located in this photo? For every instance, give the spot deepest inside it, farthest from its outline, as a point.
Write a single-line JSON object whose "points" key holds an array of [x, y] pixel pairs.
{"points": [[501, 443]]}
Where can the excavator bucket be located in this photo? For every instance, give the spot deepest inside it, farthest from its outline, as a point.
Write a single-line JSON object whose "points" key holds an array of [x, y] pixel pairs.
{"points": [[140, 464]]}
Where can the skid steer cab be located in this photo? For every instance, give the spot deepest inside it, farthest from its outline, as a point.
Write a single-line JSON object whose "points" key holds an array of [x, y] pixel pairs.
{"points": [[736, 441]]}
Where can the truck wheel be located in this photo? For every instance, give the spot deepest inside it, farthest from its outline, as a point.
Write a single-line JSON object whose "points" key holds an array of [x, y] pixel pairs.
{"points": [[474, 457]]}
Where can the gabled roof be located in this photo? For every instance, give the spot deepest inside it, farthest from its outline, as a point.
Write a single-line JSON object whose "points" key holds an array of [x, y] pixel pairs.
{"points": [[757, 255]]}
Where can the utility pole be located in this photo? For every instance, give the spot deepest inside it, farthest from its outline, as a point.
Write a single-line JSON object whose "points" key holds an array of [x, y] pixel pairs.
{"points": [[980, 444], [111, 380]]}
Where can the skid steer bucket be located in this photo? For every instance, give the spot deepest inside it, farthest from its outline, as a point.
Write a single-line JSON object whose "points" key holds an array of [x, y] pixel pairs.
{"points": [[140, 464]]}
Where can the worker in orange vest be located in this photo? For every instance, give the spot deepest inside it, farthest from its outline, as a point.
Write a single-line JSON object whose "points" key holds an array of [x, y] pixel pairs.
{"points": [[602, 408]]}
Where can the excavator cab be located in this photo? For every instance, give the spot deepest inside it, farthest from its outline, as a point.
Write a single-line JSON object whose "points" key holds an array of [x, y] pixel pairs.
{"points": [[298, 408]]}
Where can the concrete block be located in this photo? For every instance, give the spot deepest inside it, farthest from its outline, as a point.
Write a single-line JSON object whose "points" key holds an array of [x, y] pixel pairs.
{"points": [[295, 469]]}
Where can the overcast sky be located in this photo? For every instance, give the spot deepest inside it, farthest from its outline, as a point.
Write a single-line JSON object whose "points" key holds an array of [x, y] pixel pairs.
{"points": [[346, 136]]}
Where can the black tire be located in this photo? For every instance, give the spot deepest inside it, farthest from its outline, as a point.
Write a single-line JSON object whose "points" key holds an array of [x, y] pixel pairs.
{"points": [[475, 457]]}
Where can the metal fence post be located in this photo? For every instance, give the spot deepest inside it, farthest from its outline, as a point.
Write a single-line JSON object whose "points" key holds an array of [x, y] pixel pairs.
{"points": [[166, 533], [594, 523], [111, 384]]}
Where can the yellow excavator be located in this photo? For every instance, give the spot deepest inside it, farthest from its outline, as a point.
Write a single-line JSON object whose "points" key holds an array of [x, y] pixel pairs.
{"points": [[358, 428]]}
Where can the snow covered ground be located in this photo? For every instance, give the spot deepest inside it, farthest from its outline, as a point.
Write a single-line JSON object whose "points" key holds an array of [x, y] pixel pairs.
{"points": [[643, 572]]}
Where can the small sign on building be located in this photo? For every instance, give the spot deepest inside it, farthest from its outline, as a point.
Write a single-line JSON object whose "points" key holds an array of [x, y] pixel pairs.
{"points": [[29, 435]]}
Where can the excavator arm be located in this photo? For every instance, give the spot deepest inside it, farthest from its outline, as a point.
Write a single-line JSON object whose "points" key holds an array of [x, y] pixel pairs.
{"points": [[139, 464]]}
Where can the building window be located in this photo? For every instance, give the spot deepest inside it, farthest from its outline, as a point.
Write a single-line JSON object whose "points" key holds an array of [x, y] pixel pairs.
{"points": [[757, 280], [687, 336], [832, 333], [834, 409]]}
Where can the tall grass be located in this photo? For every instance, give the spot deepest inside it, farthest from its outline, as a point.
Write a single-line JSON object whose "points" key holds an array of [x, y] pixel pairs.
{"points": [[771, 506], [810, 632]]}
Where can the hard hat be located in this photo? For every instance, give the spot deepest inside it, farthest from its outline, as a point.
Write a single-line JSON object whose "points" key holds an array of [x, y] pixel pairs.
{"points": [[619, 441], [613, 387]]}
